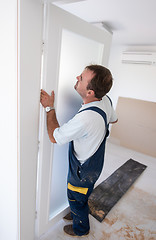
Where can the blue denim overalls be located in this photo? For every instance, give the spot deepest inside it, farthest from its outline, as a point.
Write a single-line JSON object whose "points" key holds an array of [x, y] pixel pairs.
{"points": [[81, 180]]}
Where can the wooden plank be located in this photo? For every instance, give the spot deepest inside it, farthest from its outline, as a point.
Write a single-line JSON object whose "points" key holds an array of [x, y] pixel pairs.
{"points": [[109, 192], [136, 127]]}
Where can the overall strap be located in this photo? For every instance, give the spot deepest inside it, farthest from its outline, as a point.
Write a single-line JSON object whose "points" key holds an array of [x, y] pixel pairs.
{"points": [[98, 110], [109, 100], [86, 175]]}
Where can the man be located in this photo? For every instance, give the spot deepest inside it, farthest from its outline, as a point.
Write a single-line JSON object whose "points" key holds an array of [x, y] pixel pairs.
{"points": [[86, 133]]}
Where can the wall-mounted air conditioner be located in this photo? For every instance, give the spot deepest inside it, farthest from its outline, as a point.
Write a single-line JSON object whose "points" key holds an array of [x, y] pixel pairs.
{"points": [[145, 58]]}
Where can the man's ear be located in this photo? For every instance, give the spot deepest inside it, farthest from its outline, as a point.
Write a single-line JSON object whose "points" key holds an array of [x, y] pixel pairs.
{"points": [[91, 93]]}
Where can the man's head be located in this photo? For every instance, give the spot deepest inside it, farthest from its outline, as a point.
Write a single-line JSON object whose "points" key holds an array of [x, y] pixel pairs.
{"points": [[101, 82], [94, 82]]}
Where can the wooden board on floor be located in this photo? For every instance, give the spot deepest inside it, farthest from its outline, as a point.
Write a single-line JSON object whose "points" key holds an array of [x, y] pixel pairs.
{"points": [[109, 192]]}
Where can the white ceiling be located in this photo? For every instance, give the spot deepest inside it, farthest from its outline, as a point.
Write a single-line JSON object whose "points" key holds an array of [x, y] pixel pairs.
{"points": [[133, 22]]}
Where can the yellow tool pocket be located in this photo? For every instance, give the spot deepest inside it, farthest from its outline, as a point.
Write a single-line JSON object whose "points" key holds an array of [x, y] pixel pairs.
{"points": [[77, 189]]}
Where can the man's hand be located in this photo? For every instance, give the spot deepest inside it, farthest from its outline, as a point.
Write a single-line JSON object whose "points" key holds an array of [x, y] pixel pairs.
{"points": [[47, 100]]}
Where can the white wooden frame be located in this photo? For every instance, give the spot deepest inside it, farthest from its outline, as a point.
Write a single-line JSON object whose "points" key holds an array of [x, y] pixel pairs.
{"points": [[29, 67], [62, 20]]}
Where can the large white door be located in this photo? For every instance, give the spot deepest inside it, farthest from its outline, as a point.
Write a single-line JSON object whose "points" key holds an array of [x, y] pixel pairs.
{"points": [[70, 45]]}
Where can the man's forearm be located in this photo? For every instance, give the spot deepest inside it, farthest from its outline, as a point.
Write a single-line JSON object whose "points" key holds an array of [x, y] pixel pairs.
{"points": [[52, 123]]}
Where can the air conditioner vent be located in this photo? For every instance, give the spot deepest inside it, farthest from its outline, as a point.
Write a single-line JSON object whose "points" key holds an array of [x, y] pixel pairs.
{"points": [[145, 58], [65, 1]]}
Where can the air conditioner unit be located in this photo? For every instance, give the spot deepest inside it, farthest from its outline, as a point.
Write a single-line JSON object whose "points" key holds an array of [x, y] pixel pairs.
{"points": [[65, 1], [145, 58]]}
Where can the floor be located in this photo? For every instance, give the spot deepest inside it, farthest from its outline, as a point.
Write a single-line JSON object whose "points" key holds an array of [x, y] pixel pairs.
{"points": [[134, 216]]}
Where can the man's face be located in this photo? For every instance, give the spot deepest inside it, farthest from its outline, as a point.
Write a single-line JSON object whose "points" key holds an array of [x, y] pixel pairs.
{"points": [[82, 82]]}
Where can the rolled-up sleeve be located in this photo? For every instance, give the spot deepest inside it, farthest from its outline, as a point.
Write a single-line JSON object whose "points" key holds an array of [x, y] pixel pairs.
{"points": [[113, 117], [71, 130]]}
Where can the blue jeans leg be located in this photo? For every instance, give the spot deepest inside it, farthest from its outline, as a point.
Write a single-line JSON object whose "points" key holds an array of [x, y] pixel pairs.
{"points": [[79, 207]]}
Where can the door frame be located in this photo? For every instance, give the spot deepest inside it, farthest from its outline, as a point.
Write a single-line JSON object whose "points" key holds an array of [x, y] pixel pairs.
{"points": [[52, 46], [29, 37]]}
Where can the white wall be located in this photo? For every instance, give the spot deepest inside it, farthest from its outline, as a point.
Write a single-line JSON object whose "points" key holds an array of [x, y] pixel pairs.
{"points": [[133, 81], [8, 120], [30, 46], [19, 112]]}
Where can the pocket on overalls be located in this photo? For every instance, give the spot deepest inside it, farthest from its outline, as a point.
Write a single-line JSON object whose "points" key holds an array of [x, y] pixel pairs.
{"points": [[82, 190], [77, 197]]}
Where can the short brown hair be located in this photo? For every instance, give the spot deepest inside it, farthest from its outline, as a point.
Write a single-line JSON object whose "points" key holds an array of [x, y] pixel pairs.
{"points": [[102, 81]]}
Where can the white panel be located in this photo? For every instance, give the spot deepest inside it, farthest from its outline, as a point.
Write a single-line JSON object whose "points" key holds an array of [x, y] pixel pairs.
{"points": [[87, 45], [76, 52], [8, 121], [30, 40]]}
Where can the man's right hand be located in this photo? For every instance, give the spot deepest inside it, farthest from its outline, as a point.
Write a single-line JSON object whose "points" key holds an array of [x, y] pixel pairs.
{"points": [[46, 99]]}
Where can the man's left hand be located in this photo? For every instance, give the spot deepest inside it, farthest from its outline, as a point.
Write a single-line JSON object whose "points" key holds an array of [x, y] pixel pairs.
{"points": [[46, 99]]}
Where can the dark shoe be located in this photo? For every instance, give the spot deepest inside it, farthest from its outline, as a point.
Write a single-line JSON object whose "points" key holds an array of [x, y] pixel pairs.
{"points": [[68, 217], [68, 229]]}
